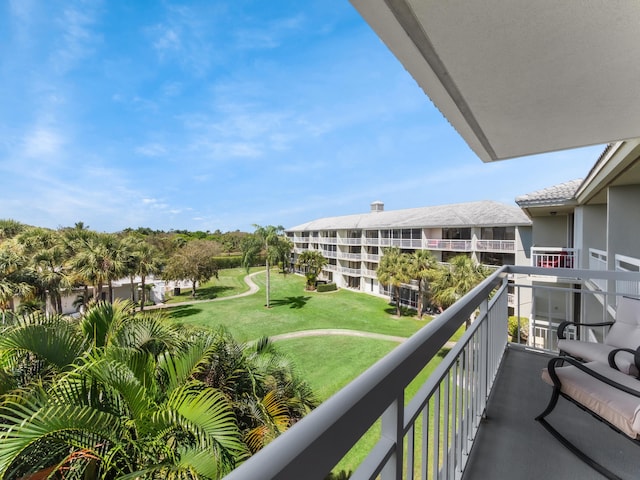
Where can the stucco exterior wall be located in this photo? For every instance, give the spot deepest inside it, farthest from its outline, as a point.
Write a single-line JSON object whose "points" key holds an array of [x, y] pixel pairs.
{"points": [[623, 229], [590, 222], [551, 231]]}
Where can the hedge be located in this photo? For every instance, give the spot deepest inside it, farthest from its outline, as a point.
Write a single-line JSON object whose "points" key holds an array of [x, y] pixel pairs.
{"points": [[327, 287]]}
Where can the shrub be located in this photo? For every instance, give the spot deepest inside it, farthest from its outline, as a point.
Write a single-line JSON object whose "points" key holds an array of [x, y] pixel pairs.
{"points": [[513, 329], [327, 287], [231, 261]]}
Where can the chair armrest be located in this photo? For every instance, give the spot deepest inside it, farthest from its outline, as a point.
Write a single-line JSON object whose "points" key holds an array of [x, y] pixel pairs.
{"points": [[566, 323], [636, 357], [551, 368]]}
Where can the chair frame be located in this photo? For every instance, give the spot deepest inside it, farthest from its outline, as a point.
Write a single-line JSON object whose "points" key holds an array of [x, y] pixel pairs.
{"points": [[557, 393]]}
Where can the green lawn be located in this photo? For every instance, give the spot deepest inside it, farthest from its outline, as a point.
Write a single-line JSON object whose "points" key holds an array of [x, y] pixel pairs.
{"points": [[328, 363], [294, 309], [229, 282]]}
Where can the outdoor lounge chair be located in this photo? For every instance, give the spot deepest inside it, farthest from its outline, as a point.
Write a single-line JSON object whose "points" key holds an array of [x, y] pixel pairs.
{"points": [[608, 394], [624, 333]]}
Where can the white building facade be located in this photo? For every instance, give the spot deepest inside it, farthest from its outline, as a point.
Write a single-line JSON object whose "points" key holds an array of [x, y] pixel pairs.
{"points": [[492, 233]]}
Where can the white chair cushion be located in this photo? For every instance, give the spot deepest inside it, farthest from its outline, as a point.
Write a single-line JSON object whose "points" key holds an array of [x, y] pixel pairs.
{"points": [[617, 407], [625, 332], [591, 351]]}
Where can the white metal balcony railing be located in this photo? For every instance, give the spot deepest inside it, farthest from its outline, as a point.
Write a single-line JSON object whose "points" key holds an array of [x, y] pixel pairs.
{"points": [[371, 241], [331, 268], [371, 257], [350, 241], [401, 242], [554, 257], [349, 271], [431, 434], [598, 262], [369, 273], [329, 254], [505, 246], [627, 264], [349, 256], [449, 245]]}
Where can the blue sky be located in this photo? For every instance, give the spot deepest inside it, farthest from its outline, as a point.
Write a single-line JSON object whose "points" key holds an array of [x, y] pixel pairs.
{"points": [[212, 114]]}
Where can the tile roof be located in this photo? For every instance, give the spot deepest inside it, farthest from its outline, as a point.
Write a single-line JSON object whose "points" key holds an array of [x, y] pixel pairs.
{"points": [[483, 213], [561, 194]]}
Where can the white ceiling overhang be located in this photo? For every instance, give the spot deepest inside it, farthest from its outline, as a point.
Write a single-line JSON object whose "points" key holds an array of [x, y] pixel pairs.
{"points": [[520, 77]]}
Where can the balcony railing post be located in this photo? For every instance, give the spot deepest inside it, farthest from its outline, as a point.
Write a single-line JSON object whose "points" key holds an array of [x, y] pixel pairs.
{"points": [[392, 429]]}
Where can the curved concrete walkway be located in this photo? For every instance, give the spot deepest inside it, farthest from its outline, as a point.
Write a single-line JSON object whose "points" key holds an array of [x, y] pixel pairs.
{"points": [[253, 288], [336, 331]]}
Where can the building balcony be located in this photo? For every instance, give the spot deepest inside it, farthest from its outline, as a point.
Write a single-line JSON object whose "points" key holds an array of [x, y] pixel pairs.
{"points": [[499, 246], [473, 417], [350, 256], [401, 242], [554, 257], [370, 257], [350, 241], [369, 273], [354, 272], [329, 254], [449, 245]]}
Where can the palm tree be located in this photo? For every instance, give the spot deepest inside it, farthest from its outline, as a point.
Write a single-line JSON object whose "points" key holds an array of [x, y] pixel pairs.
{"points": [[264, 239], [115, 395], [312, 262], [455, 280], [267, 395], [14, 275], [48, 260], [393, 271], [141, 259], [423, 268]]}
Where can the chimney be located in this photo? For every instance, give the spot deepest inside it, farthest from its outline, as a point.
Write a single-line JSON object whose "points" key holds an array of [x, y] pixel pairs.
{"points": [[377, 206]]}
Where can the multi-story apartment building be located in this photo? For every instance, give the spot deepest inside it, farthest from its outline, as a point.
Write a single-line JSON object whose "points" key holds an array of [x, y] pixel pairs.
{"points": [[492, 233], [592, 223]]}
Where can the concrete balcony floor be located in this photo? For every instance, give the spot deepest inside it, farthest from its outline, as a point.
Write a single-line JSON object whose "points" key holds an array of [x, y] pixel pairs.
{"points": [[512, 445]]}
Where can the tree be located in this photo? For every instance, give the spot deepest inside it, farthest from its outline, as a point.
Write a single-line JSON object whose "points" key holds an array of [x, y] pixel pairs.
{"points": [[48, 260], [92, 260], [264, 240], [142, 260], [453, 281], [423, 267], [14, 276], [312, 262], [124, 394], [194, 262], [393, 271], [114, 395], [283, 247]]}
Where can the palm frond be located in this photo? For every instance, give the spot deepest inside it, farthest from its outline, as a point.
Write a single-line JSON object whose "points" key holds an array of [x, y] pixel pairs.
{"points": [[205, 414], [24, 426]]}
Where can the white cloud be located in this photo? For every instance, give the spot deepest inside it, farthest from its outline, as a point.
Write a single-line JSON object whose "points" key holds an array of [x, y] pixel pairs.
{"points": [[42, 143], [152, 150]]}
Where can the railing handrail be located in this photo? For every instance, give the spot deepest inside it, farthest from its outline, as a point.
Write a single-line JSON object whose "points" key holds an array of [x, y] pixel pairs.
{"points": [[295, 454]]}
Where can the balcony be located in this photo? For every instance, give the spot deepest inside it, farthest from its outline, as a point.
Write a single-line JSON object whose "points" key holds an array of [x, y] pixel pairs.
{"points": [[401, 242], [369, 273], [371, 257], [354, 272], [471, 419], [349, 256], [350, 241], [554, 257], [449, 245], [499, 246]]}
